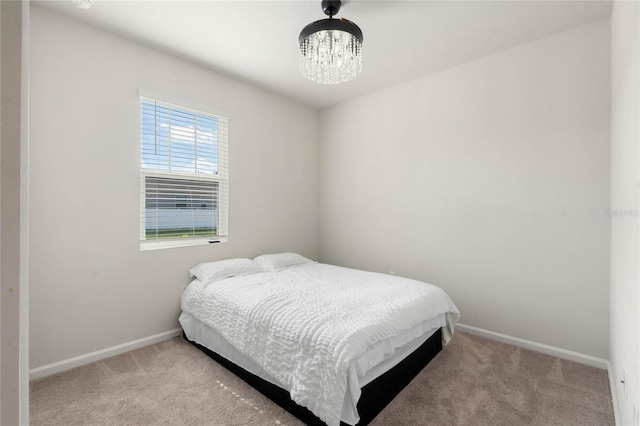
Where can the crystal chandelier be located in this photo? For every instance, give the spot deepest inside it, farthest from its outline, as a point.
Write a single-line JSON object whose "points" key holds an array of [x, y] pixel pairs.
{"points": [[331, 49]]}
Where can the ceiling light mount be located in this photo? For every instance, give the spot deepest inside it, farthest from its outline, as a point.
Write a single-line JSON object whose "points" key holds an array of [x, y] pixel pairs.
{"points": [[331, 49], [331, 7], [83, 4]]}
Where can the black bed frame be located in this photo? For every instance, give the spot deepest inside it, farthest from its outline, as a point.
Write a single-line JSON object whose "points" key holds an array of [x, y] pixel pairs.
{"points": [[375, 395]]}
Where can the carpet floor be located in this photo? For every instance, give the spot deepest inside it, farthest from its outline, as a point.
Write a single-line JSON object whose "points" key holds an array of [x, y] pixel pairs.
{"points": [[473, 381]]}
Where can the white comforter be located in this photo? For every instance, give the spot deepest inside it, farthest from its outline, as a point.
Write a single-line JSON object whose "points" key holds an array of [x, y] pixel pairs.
{"points": [[304, 325]]}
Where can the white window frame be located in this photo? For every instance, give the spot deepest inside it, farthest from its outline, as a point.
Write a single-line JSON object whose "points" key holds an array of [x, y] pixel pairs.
{"points": [[222, 178]]}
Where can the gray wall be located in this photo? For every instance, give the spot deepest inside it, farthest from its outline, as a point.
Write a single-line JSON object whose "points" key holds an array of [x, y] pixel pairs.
{"points": [[625, 180], [491, 180], [10, 138], [91, 286]]}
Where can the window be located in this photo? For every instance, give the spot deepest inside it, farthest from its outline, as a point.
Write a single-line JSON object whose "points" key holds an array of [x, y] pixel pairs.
{"points": [[183, 175]]}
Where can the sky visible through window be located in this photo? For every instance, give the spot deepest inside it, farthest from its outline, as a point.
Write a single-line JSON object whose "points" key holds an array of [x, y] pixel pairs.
{"points": [[178, 140]]}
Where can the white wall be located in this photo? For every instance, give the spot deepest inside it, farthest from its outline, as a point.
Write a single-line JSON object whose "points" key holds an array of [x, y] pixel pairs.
{"points": [[625, 233], [491, 180], [91, 286]]}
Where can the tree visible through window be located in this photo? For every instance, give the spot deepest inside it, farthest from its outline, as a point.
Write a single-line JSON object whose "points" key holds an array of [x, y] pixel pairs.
{"points": [[183, 172]]}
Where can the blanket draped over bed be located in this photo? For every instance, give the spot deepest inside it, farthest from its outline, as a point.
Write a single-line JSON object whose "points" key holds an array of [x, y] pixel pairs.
{"points": [[305, 325]]}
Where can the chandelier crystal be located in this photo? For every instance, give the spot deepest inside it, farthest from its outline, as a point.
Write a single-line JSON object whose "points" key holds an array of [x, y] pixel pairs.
{"points": [[331, 49]]}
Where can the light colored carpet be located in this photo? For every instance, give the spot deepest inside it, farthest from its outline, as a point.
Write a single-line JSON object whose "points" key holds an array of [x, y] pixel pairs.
{"points": [[473, 381]]}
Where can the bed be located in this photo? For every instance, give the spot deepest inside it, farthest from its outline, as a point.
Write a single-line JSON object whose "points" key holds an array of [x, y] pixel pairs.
{"points": [[331, 345]]}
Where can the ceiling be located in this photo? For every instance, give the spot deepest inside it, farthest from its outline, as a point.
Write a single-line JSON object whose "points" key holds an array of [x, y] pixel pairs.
{"points": [[257, 41]]}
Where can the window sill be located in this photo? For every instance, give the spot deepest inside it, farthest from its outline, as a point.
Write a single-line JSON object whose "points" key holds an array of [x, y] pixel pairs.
{"points": [[165, 244]]}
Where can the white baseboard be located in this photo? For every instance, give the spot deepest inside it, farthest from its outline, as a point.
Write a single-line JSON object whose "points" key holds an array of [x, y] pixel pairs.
{"points": [[535, 346], [67, 364]]}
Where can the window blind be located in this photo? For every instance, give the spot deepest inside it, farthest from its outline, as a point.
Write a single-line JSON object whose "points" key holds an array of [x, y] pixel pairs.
{"points": [[184, 176]]}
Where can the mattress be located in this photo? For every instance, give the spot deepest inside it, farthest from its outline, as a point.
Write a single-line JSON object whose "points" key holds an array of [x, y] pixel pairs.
{"points": [[320, 332], [391, 351]]}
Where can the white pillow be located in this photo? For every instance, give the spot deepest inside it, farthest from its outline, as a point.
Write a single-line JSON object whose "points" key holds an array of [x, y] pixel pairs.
{"points": [[209, 272], [281, 261]]}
